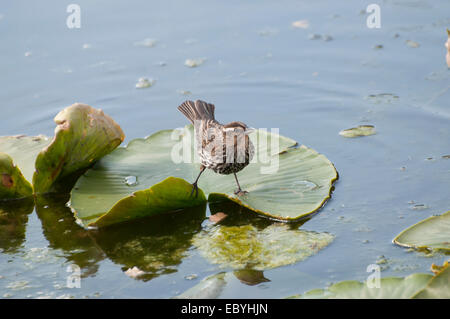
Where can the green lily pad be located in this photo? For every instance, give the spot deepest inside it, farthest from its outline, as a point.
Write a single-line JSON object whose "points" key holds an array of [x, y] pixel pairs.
{"points": [[390, 288], [18, 154], [433, 232], [361, 130], [170, 195], [209, 288], [438, 287], [421, 286], [300, 186], [12, 183], [24, 150], [82, 136], [246, 246]]}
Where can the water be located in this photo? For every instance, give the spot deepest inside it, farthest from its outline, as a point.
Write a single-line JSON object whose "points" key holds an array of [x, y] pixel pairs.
{"points": [[258, 69]]}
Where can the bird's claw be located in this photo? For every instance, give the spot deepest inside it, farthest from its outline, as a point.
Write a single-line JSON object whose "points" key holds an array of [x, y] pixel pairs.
{"points": [[194, 188]]}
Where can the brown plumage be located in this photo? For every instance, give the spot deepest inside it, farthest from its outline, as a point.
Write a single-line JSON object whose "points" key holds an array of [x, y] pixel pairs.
{"points": [[225, 148]]}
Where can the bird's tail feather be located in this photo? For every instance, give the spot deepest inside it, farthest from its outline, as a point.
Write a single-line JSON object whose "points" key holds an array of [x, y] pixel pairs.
{"points": [[198, 110]]}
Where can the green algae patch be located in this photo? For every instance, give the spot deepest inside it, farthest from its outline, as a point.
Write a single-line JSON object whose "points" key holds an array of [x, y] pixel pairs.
{"points": [[246, 246]]}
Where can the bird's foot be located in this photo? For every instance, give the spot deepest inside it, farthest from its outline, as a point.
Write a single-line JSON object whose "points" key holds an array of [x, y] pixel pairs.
{"points": [[194, 188], [240, 192]]}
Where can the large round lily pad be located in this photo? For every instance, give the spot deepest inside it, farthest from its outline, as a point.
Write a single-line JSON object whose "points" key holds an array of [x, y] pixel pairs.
{"points": [[241, 247], [284, 182], [433, 232]]}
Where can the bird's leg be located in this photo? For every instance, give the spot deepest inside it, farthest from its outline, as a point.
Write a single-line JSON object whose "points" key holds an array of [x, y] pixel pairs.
{"points": [[239, 192], [194, 185]]}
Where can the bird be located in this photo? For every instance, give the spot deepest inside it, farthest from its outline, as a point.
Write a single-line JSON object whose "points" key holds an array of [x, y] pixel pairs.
{"points": [[223, 148]]}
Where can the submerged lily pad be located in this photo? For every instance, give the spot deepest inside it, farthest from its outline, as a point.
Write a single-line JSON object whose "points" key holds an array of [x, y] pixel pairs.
{"points": [[12, 183], [245, 246], [283, 182], [390, 288], [433, 232], [361, 130], [82, 136]]}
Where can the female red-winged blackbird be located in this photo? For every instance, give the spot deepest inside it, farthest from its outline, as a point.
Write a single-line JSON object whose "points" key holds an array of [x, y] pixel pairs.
{"points": [[225, 148]]}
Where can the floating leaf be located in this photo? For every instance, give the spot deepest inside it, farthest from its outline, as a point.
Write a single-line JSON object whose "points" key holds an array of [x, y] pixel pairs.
{"points": [[144, 83], [438, 287], [246, 246], [217, 217], [382, 98], [361, 130], [134, 272], [412, 44], [301, 24], [192, 63], [147, 43], [12, 183], [390, 288], [82, 136], [284, 182], [24, 150], [433, 232], [209, 288], [314, 36]]}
